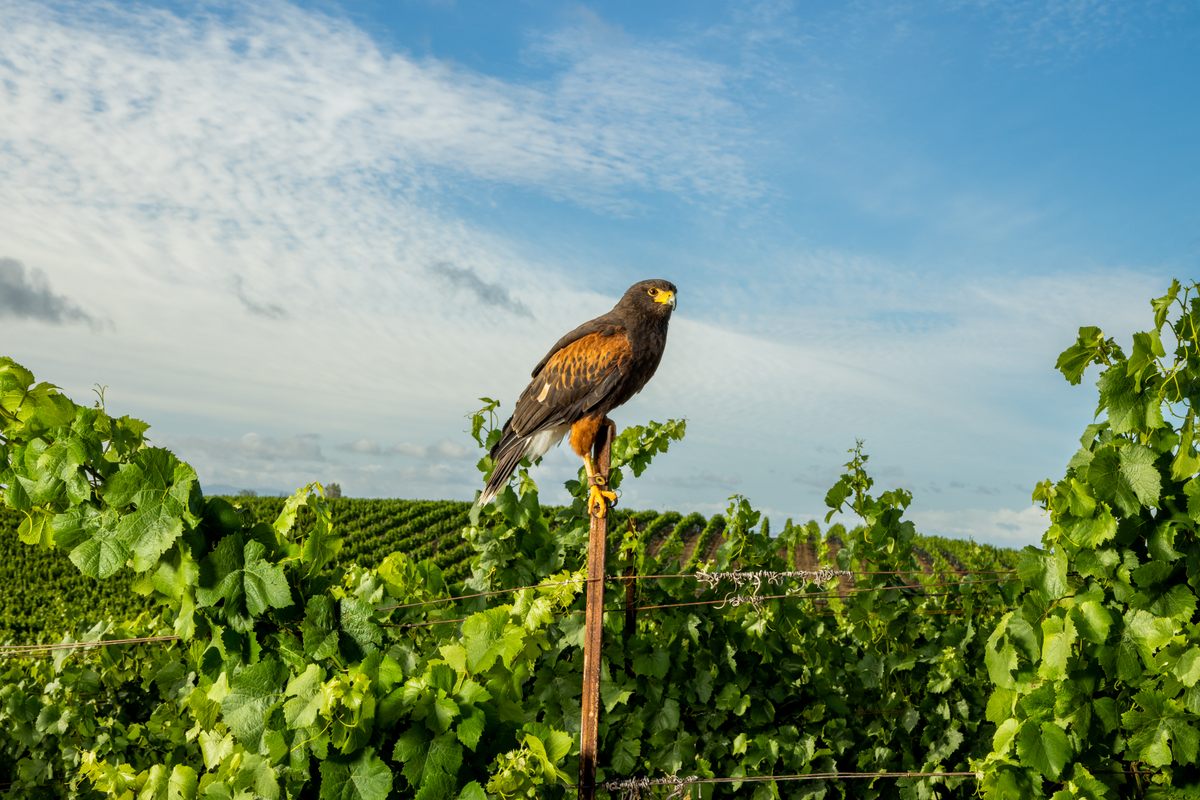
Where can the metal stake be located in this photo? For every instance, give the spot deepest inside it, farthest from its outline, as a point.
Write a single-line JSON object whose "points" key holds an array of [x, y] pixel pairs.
{"points": [[594, 627]]}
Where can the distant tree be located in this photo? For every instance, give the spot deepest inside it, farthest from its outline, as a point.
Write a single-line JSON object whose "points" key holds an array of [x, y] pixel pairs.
{"points": [[333, 490], [247, 493]]}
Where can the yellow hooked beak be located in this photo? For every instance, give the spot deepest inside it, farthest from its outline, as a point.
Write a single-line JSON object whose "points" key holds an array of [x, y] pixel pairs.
{"points": [[666, 297]]}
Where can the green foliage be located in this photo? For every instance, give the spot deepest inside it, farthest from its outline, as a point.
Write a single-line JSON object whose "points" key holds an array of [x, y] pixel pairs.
{"points": [[1095, 671], [287, 678], [300, 673]]}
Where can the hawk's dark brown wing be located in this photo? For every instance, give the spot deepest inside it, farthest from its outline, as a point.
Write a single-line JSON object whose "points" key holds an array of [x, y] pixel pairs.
{"points": [[574, 381]]}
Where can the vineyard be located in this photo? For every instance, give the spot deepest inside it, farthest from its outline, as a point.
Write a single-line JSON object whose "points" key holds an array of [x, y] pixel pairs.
{"points": [[362, 650], [60, 600]]}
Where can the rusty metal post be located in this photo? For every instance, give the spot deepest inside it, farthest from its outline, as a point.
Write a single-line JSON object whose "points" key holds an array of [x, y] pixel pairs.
{"points": [[589, 723]]}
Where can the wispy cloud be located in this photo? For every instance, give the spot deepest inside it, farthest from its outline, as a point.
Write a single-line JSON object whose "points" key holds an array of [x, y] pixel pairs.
{"points": [[1009, 527], [445, 449], [266, 310], [286, 156], [1034, 31], [25, 293], [258, 447], [604, 75], [302, 93], [490, 294]]}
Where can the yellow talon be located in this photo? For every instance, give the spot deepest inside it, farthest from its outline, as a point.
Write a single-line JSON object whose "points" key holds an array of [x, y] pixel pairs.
{"points": [[600, 499]]}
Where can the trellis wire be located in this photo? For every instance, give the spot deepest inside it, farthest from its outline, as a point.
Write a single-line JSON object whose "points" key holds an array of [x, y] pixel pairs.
{"points": [[732, 600], [632, 788], [754, 578], [38, 649]]}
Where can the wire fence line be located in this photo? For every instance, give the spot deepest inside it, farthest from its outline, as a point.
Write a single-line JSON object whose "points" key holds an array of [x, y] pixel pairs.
{"points": [[633, 788], [42, 649], [755, 579], [732, 600]]}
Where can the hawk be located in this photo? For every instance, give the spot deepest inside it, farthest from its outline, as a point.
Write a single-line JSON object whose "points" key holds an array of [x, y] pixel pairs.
{"points": [[586, 374]]}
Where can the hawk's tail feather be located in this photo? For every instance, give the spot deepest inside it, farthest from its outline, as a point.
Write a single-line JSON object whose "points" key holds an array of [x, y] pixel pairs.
{"points": [[513, 447], [507, 455]]}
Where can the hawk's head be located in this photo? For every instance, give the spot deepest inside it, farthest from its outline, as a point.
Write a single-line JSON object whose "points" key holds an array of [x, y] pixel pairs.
{"points": [[654, 297]]}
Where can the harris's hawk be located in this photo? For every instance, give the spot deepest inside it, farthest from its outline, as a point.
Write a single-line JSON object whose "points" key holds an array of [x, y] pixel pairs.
{"points": [[586, 374]]}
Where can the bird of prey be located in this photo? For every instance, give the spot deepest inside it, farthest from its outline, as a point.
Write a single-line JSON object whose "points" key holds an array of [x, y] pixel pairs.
{"points": [[586, 374]]}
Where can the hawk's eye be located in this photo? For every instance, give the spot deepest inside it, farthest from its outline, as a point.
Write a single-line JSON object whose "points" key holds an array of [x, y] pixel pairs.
{"points": [[652, 291]]}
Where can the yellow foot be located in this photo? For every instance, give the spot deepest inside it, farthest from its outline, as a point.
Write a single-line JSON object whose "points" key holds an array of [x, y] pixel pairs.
{"points": [[600, 498]]}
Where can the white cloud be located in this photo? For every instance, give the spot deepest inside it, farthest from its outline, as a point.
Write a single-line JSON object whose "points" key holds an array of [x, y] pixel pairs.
{"points": [[258, 199], [1035, 31], [1004, 527], [445, 449]]}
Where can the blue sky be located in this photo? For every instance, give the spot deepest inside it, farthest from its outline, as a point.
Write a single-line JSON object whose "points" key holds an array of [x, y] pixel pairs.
{"points": [[301, 239]]}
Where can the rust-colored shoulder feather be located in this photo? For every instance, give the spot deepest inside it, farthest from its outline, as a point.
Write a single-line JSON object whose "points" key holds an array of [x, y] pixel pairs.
{"points": [[573, 381]]}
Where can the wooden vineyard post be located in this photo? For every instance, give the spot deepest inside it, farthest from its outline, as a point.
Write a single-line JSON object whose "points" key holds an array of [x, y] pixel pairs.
{"points": [[594, 627]]}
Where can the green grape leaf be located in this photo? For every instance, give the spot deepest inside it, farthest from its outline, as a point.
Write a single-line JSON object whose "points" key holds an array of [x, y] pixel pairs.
{"points": [[1091, 532], [1159, 732], [471, 728], [1046, 572], [1129, 409], [253, 693], [306, 698], [220, 574], [1088, 348], [1161, 543], [1126, 477], [548, 746], [1093, 621], [1187, 668], [160, 487], [625, 756], [1144, 633], [653, 664], [1186, 463], [445, 710], [488, 636], [122, 486], [321, 546], [1191, 490], [411, 748], [357, 618], [237, 573], [667, 716], [36, 528], [1147, 349], [150, 531], [1044, 747], [1162, 305], [183, 783], [365, 778], [431, 766], [1058, 637], [317, 632], [1006, 733], [101, 555], [264, 583], [78, 523], [286, 520], [472, 791]]}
